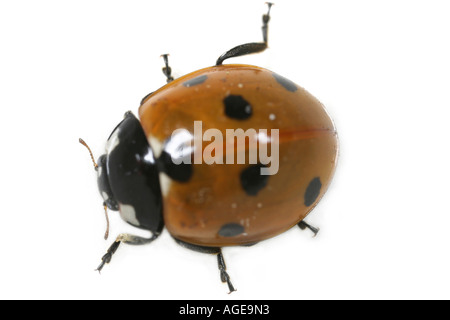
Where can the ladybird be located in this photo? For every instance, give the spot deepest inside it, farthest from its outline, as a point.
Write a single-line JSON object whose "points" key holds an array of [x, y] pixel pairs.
{"points": [[161, 171]]}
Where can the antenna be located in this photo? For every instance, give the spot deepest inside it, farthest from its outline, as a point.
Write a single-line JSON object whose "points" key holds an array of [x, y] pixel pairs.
{"points": [[90, 152], [96, 167]]}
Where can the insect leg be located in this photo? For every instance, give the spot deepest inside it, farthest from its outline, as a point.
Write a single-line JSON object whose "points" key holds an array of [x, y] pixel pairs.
{"points": [[224, 277], [248, 48], [124, 238], [303, 225], [167, 70]]}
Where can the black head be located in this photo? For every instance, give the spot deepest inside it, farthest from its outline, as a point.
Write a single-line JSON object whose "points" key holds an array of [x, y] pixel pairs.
{"points": [[128, 179]]}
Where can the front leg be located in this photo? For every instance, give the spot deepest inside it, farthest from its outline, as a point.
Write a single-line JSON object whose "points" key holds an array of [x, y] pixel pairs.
{"points": [[124, 238]]}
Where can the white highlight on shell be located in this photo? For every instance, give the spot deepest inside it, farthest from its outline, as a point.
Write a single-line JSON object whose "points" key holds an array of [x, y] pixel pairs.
{"points": [[272, 116], [113, 141], [105, 195], [99, 171], [245, 223], [262, 137], [128, 214], [179, 146]]}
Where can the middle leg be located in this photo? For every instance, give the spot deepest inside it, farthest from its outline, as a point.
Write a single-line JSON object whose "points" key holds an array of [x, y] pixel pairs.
{"points": [[224, 277]]}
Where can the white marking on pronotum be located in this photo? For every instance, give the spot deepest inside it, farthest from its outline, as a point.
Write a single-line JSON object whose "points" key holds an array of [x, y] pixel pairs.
{"points": [[113, 141], [156, 146], [165, 183], [272, 116], [128, 214], [105, 195]]}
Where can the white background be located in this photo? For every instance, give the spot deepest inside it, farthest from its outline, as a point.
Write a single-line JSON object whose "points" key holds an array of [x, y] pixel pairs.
{"points": [[70, 69]]}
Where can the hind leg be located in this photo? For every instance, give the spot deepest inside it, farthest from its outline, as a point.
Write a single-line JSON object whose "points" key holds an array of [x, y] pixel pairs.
{"points": [[249, 48], [303, 225], [167, 70]]}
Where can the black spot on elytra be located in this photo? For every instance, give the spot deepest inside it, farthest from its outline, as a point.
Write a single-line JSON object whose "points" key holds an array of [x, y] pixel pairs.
{"points": [[286, 83], [237, 107], [231, 230], [179, 172], [313, 191], [195, 81], [252, 181]]}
